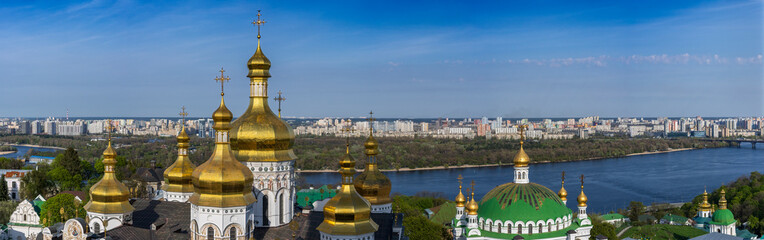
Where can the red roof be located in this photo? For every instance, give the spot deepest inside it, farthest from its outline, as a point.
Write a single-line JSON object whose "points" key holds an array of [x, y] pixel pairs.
{"points": [[14, 174]]}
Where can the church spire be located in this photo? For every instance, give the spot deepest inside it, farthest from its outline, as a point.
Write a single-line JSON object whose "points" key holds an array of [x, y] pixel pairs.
{"points": [[178, 175], [562, 193], [521, 160]]}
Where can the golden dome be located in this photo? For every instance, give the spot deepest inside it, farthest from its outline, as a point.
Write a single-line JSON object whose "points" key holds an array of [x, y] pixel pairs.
{"points": [[723, 201], [460, 199], [222, 181], [258, 135], [472, 206], [582, 199], [562, 193], [109, 195], [347, 213], [705, 206], [372, 184], [178, 175], [521, 158]]}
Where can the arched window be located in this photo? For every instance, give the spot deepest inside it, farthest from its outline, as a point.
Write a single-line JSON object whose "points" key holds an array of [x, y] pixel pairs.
{"points": [[233, 233], [210, 233], [97, 228]]}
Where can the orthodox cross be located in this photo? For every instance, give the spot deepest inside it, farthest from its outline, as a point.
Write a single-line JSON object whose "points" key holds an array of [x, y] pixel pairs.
{"points": [[563, 177], [109, 128], [279, 99], [183, 114], [348, 128], [222, 79], [582, 181], [472, 189], [460, 181], [371, 120], [522, 132], [259, 22]]}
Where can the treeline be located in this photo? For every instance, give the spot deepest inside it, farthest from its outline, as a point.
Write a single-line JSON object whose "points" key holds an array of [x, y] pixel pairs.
{"points": [[322, 153]]}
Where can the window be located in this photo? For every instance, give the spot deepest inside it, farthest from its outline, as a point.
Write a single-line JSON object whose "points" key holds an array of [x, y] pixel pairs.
{"points": [[97, 228], [210, 233], [233, 233]]}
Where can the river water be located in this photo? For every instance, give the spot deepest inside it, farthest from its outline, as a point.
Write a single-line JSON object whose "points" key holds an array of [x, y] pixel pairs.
{"points": [[24, 149], [609, 183]]}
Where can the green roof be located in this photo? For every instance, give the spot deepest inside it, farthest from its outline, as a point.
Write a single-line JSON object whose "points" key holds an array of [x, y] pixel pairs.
{"points": [[674, 218], [25, 225], [612, 216], [522, 202], [722, 217], [445, 213], [38, 205], [316, 194]]}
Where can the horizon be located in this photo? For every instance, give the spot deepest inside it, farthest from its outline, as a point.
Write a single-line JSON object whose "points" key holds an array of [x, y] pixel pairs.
{"points": [[510, 59]]}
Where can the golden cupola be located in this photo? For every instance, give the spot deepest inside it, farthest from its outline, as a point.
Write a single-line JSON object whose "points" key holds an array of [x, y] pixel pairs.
{"points": [[582, 199], [460, 199], [562, 193], [178, 176], [347, 213], [109, 195], [705, 206], [723, 200], [372, 184], [222, 181], [258, 135], [472, 206], [521, 158]]}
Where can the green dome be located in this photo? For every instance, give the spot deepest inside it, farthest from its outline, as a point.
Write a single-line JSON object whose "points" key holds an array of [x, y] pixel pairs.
{"points": [[522, 202], [723, 217]]}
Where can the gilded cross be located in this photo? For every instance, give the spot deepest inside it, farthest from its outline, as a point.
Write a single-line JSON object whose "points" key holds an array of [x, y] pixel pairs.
{"points": [[563, 177], [109, 128], [472, 189], [222, 79], [348, 128], [460, 180], [183, 113], [259, 22], [582, 181], [279, 99], [371, 120]]}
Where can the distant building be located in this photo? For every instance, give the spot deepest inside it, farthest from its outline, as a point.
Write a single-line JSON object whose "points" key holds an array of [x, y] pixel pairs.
{"points": [[13, 179]]}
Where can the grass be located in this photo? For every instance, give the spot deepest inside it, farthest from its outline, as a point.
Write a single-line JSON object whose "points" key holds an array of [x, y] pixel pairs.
{"points": [[663, 231]]}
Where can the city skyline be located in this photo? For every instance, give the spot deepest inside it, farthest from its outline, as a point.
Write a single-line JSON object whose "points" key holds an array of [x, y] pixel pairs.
{"points": [[554, 59]]}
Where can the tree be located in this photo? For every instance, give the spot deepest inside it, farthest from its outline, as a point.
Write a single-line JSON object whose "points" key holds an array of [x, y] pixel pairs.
{"points": [[36, 182], [602, 228], [67, 170], [419, 227], [51, 209], [4, 195], [6, 209], [635, 209]]}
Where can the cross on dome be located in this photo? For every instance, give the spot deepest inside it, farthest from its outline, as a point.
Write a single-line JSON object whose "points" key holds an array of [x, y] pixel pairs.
{"points": [[222, 79], [259, 22]]}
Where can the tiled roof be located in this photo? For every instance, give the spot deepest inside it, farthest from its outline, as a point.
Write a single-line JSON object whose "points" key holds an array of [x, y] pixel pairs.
{"points": [[308, 225], [172, 220], [150, 174]]}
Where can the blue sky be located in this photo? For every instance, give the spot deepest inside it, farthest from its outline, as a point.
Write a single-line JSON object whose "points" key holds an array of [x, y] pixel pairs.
{"points": [[117, 58]]}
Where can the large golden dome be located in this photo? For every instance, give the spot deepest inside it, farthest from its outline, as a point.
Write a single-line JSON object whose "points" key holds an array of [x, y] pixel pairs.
{"points": [[109, 195], [222, 181], [372, 184], [178, 175], [258, 135], [521, 158], [582, 199], [347, 213]]}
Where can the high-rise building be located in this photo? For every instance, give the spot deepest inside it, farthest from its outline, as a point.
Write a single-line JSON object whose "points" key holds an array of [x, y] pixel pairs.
{"points": [[50, 127], [24, 128], [37, 127]]}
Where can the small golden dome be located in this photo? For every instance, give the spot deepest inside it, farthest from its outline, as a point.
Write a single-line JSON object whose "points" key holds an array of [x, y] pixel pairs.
{"points": [[472, 207], [521, 158], [347, 213], [259, 65], [563, 194], [723, 200], [178, 176], [705, 206], [372, 184], [460, 199], [222, 181], [582, 199], [109, 195]]}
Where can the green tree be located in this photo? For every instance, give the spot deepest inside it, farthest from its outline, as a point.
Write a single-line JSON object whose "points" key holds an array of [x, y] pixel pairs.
{"points": [[419, 227], [4, 195], [36, 182], [6, 209], [602, 228], [635, 209], [67, 170], [52, 208]]}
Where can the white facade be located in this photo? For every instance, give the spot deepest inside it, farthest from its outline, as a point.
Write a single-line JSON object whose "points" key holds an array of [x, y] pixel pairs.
{"points": [[24, 222], [176, 196], [221, 223], [13, 179], [368, 236], [275, 190], [100, 222], [382, 208], [724, 229]]}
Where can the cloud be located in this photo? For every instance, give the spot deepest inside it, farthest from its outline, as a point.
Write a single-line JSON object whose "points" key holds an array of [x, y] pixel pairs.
{"points": [[604, 60]]}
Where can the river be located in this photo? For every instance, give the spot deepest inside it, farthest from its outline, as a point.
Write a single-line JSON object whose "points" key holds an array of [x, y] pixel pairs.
{"points": [[609, 183], [24, 149]]}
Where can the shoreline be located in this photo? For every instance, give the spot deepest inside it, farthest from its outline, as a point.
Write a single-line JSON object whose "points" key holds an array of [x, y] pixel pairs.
{"points": [[37, 146], [7, 152], [509, 164]]}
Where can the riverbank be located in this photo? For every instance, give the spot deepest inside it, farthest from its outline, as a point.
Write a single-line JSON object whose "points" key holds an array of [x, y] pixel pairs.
{"points": [[497, 165], [37, 146], [7, 152]]}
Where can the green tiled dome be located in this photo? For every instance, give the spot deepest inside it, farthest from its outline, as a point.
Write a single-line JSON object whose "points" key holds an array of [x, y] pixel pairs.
{"points": [[522, 202], [723, 217]]}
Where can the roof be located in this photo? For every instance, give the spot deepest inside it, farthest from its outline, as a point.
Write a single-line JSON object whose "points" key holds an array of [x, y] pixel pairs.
{"points": [[79, 194], [37, 205], [443, 213], [309, 223], [745, 234], [674, 218], [43, 157], [14, 174], [172, 218], [612, 216], [313, 195], [522, 202], [716, 236], [722, 217], [150, 174]]}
